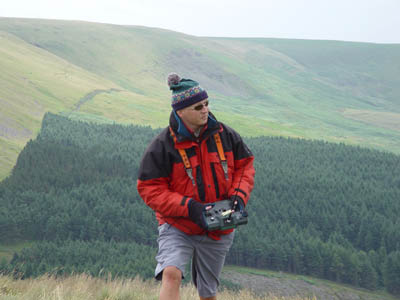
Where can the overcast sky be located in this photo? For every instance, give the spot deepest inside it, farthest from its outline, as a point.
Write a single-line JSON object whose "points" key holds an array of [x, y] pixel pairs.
{"points": [[347, 20]]}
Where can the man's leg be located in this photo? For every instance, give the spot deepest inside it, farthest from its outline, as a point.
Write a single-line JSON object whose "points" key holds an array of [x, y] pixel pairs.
{"points": [[174, 253], [208, 260], [171, 281]]}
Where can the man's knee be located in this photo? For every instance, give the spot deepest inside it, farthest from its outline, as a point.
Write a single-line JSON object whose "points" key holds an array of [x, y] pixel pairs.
{"points": [[172, 274]]}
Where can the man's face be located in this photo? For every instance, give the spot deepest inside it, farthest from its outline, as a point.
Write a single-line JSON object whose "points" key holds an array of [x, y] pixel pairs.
{"points": [[196, 115]]}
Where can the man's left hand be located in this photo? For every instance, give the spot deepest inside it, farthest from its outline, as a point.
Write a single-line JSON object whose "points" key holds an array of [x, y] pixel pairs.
{"points": [[238, 203]]}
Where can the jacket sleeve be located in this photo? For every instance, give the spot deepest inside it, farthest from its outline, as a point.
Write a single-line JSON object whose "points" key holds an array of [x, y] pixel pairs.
{"points": [[243, 176], [153, 182]]}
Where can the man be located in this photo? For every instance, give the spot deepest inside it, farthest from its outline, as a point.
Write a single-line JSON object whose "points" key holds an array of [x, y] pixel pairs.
{"points": [[190, 164]]}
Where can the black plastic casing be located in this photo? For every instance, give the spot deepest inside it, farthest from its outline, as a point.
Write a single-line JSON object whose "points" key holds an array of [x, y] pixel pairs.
{"points": [[220, 218]]}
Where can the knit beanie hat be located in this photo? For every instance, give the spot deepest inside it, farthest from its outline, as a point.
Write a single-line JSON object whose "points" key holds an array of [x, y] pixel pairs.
{"points": [[185, 92]]}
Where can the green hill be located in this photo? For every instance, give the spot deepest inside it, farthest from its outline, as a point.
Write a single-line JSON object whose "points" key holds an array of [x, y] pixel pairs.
{"points": [[32, 82], [330, 90]]}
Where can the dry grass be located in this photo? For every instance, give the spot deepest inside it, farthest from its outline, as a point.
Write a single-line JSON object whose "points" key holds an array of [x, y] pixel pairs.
{"points": [[85, 287]]}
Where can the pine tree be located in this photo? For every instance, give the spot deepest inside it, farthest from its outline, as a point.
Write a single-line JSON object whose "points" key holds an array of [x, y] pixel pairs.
{"points": [[392, 273]]}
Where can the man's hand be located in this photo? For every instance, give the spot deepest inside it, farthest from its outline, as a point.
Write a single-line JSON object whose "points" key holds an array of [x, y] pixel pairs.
{"points": [[196, 210], [238, 204]]}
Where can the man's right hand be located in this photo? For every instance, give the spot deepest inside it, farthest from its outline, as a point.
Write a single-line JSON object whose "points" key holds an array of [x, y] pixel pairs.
{"points": [[196, 211], [238, 204]]}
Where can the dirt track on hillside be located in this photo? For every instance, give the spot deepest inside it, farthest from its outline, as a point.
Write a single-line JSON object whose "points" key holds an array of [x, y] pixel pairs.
{"points": [[284, 287]]}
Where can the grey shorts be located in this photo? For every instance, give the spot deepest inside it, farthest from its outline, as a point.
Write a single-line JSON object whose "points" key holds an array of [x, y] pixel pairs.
{"points": [[175, 248]]}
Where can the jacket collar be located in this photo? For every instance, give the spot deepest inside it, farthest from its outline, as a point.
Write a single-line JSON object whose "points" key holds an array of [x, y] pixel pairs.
{"points": [[182, 133]]}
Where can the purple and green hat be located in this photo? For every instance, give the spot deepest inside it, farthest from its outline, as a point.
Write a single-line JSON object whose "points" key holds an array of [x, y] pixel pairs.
{"points": [[185, 92]]}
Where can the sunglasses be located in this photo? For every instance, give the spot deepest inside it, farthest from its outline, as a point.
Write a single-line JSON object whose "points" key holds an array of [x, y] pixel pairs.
{"points": [[200, 106]]}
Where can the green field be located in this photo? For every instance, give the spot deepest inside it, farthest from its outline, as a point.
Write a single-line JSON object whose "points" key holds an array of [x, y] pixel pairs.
{"points": [[330, 90]]}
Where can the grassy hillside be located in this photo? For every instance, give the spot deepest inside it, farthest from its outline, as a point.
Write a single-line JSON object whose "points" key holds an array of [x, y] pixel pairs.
{"points": [[281, 284], [253, 284], [336, 91], [82, 287], [33, 81]]}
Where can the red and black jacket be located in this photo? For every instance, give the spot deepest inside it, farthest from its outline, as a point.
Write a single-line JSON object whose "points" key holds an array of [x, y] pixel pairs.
{"points": [[165, 186]]}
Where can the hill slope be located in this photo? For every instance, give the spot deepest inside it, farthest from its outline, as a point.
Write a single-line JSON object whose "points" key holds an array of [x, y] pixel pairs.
{"points": [[317, 208], [336, 91], [261, 287], [33, 82]]}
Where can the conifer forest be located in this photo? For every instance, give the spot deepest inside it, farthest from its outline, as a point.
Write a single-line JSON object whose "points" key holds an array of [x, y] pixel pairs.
{"points": [[322, 209]]}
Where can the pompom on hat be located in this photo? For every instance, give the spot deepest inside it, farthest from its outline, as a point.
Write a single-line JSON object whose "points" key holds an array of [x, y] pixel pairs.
{"points": [[185, 92]]}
